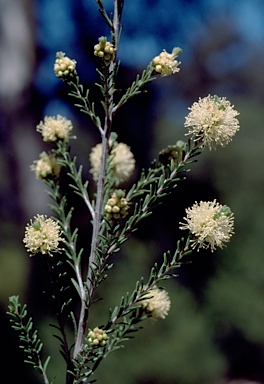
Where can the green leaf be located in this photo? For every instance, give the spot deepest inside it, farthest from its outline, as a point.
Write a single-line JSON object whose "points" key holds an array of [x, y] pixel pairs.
{"points": [[76, 287], [114, 313], [45, 366]]}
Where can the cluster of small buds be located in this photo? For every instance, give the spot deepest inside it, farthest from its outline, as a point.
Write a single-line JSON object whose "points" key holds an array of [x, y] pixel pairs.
{"points": [[97, 337], [64, 67], [172, 152], [117, 206], [165, 63], [105, 50], [46, 166]]}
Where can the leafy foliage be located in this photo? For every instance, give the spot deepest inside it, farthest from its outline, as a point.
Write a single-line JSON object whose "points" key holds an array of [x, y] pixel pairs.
{"points": [[30, 342]]}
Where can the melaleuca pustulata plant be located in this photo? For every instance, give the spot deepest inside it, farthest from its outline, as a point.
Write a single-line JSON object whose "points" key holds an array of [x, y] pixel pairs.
{"points": [[114, 213]]}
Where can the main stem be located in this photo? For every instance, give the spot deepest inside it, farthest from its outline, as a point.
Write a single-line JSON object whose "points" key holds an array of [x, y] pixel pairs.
{"points": [[85, 299], [97, 221]]}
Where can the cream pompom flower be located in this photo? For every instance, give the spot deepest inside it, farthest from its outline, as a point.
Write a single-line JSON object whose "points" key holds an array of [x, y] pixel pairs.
{"points": [[42, 235], [55, 128], [213, 121], [165, 63], [157, 303], [46, 166], [211, 224], [122, 162]]}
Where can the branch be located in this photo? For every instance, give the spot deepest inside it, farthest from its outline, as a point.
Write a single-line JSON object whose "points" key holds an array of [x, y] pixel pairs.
{"points": [[109, 87], [29, 340]]}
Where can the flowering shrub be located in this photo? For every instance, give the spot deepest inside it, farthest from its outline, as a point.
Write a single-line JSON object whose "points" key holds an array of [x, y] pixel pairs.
{"points": [[114, 213]]}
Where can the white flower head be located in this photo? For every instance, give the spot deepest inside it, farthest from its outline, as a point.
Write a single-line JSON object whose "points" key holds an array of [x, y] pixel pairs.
{"points": [[55, 128], [165, 63], [42, 235], [122, 162], [157, 303], [213, 121], [211, 224], [46, 166]]}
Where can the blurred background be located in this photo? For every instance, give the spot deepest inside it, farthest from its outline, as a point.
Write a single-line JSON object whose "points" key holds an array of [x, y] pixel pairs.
{"points": [[215, 330]]}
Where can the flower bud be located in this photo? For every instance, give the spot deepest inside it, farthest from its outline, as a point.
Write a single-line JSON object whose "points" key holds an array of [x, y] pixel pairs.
{"points": [[165, 63], [97, 337], [117, 206], [104, 50], [64, 67]]}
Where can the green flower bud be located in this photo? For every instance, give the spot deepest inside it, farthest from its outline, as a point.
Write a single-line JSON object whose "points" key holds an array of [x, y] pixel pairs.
{"points": [[97, 337], [117, 206], [64, 67], [104, 50]]}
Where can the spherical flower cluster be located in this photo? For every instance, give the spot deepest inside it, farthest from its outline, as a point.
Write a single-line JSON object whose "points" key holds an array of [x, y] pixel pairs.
{"points": [[165, 63], [117, 206], [42, 235], [212, 120], [157, 303], [46, 166], [211, 224], [105, 50], [97, 337], [64, 67], [53, 129], [122, 162]]}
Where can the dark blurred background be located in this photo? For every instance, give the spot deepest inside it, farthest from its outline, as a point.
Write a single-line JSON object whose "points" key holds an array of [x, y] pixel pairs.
{"points": [[215, 330]]}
